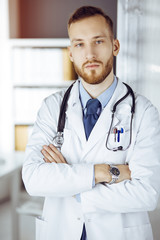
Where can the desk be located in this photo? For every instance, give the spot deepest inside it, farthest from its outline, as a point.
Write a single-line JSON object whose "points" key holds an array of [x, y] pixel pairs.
{"points": [[11, 168]]}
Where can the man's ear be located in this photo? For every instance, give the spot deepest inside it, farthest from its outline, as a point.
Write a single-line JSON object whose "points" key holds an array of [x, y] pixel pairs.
{"points": [[116, 47], [70, 53]]}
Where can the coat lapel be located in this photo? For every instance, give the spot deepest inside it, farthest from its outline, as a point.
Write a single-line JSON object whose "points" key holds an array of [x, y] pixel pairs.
{"points": [[75, 115]]}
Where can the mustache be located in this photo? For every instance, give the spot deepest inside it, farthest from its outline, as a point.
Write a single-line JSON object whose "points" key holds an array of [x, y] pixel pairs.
{"points": [[91, 62]]}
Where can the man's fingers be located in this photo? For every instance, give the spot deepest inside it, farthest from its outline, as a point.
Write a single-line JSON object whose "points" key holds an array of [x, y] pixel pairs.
{"points": [[52, 154], [47, 156], [59, 154], [47, 161]]}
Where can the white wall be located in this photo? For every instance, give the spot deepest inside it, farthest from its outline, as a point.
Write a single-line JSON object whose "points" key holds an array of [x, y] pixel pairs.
{"points": [[139, 33], [138, 62]]}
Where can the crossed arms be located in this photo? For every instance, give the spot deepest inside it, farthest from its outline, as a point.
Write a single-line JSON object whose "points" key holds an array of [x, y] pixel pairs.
{"points": [[101, 171], [63, 180]]}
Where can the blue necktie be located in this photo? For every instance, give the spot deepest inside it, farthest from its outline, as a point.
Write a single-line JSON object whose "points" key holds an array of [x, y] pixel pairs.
{"points": [[91, 116], [90, 120]]}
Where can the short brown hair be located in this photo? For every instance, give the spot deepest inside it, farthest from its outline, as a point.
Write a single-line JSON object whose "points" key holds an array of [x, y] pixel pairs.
{"points": [[89, 11]]}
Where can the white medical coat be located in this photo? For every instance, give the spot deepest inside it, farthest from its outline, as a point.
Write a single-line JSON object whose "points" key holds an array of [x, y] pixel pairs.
{"points": [[110, 212]]}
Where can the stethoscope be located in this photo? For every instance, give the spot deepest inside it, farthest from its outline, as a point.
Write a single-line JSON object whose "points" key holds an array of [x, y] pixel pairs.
{"points": [[59, 138]]}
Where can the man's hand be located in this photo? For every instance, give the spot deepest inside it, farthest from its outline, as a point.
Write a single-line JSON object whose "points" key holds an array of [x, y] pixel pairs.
{"points": [[102, 173], [51, 154]]}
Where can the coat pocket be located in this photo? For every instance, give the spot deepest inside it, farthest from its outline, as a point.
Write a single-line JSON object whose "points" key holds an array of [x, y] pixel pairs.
{"points": [[141, 232], [40, 228]]}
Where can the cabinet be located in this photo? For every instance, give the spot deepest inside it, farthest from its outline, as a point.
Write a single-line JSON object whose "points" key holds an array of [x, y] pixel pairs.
{"points": [[40, 67], [20, 21]]}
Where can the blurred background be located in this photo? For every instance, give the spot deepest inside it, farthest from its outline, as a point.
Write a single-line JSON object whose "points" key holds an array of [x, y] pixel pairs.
{"points": [[34, 63]]}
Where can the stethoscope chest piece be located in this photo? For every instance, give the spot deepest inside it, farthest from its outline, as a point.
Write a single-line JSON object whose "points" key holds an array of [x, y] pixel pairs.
{"points": [[58, 140]]}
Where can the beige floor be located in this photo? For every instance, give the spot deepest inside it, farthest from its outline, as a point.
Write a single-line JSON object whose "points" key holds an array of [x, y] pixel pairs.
{"points": [[27, 230], [26, 224]]}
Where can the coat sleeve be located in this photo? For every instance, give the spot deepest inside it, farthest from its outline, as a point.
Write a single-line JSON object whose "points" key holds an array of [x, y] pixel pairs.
{"points": [[142, 191], [51, 179]]}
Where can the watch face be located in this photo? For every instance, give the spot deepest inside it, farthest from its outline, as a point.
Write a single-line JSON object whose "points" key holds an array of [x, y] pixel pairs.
{"points": [[115, 171]]}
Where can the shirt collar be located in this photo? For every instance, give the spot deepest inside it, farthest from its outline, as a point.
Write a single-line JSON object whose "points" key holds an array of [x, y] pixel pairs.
{"points": [[103, 98]]}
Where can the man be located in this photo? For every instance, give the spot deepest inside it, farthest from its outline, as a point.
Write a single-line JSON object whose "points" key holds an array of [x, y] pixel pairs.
{"points": [[92, 191]]}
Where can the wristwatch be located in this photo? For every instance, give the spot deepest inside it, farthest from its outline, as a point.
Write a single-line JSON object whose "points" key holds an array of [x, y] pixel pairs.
{"points": [[114, 171]]}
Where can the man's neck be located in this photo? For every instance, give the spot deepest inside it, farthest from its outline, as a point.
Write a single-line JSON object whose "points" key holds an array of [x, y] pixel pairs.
{"points": [[94, 90]]}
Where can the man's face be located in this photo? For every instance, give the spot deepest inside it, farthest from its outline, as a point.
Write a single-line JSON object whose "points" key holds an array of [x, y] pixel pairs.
{"points": [[92, 49]]}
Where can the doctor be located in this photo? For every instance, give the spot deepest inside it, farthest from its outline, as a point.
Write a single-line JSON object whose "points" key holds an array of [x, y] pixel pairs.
{"points": [[92, 192]]}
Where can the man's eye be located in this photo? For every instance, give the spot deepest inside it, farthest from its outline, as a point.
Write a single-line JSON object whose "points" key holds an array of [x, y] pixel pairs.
{"points": [[79, 45], [99, 42]]}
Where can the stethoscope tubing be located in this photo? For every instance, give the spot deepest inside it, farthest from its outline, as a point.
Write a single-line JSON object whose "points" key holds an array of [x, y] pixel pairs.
{"points": [[129, 92], [62, 116]]}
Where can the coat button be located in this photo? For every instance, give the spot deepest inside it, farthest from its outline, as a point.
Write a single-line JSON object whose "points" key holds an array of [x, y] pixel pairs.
{"points": [[78, 218], [89, 220]]}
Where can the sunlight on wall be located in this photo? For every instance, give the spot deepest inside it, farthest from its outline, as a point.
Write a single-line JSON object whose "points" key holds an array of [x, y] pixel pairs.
{"points": [[139, 60]]}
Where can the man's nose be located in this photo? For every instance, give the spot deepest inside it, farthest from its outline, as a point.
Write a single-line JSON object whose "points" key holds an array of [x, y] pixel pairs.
{"points": [[90, 53]]}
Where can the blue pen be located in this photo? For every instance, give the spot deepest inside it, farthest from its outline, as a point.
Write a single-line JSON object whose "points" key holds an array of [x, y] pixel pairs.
{"points": [[118, 137]]}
